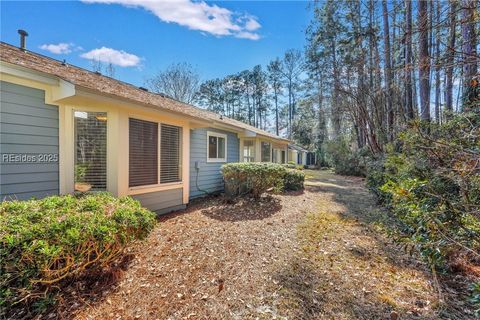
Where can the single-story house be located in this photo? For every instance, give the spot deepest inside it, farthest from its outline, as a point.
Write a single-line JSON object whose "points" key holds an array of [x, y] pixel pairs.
{"points": [[300, 155], [65, 129]]}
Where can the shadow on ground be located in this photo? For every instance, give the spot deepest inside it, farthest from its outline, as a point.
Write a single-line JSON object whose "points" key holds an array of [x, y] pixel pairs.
{"points": [[307, 293], [243, 209], [356, 206]]}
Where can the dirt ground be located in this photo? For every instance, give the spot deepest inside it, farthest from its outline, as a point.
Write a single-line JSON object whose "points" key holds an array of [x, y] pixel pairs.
{"points": [[316, 254]]}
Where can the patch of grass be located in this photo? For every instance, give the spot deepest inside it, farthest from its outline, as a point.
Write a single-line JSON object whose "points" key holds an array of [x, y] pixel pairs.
{"points": [[351, 269]]}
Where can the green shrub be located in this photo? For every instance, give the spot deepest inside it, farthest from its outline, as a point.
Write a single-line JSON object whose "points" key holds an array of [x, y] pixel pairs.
{"points": [[293, 180], [43, 242], [432, 185], [257, 178], [475, 298], [252, 177], [344, 160], [292, 165]]}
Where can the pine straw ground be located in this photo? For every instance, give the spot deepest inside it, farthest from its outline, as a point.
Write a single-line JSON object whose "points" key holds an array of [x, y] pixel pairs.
{"points": [[317, 254]]}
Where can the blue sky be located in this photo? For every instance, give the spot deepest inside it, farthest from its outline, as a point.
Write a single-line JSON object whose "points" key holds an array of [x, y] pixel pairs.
{"points": [[141, 37]]}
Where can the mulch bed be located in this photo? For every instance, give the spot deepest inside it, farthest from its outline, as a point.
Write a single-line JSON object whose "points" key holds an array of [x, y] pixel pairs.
{"points": [[314, 254], [211, 261]]}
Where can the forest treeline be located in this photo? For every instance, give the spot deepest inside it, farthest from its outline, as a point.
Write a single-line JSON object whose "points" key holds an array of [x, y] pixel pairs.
{"points": [[368, 69]]}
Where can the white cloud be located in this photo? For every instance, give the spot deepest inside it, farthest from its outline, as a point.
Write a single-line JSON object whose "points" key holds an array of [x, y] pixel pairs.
{"points": [[247, 35], [200, 16], [60, 48], [252, 24], [109, 55]]}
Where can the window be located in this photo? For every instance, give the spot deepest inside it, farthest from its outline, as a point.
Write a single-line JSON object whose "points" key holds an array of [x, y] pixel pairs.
{"points": [[170, 154], [249, 151], [274, 155], [266, 150], [216, 147], [90, 130], [143, 153], [284, 156]]}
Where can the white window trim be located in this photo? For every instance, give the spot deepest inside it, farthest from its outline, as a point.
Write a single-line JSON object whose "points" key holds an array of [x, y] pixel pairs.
{"points": [[217, 135]]}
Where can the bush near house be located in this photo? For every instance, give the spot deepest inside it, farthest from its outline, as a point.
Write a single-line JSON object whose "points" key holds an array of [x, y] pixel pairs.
{"points": [[258, 178], [293, 180], [43, 242]]}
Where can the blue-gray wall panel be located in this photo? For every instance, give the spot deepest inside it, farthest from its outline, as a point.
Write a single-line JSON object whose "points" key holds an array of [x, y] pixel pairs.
{"points": [[27, 126], [209, 176]]}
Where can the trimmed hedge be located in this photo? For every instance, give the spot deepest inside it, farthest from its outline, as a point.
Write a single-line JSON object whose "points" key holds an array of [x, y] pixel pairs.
{"points": [[257, 178], [294, 180], [43, 242]]}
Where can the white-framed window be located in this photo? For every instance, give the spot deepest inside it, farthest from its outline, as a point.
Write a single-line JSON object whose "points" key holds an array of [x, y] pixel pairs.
{"points": [[216, 147], [248, 151], [266, 149]]}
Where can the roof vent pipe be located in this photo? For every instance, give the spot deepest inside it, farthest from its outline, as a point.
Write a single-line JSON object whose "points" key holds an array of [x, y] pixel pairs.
{"points": [[23, 35]]}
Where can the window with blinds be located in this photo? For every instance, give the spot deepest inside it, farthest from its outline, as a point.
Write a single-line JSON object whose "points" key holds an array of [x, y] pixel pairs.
{"points": [[266, 151], [90, 129], [170, 153], [143, 153]]}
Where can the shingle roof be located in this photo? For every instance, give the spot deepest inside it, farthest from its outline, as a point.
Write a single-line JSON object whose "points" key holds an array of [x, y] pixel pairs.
{"points": [[297, 148], [109, 86]]}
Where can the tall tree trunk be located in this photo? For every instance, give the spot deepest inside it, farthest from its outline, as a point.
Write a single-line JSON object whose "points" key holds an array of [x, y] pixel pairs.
{"points": [[336, 87], [388, 71], [408, 60], [276, 110], [437, 62], [424, 61], [469, 51], [450, 59]]}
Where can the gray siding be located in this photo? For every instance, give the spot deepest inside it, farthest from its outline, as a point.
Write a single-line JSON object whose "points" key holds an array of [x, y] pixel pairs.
{"points": [[27, 126], [209, 176], [162, 201]]}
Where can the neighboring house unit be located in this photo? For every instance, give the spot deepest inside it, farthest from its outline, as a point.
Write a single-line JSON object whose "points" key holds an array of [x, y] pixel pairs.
{"points": [[300, 155], [65, 129]]}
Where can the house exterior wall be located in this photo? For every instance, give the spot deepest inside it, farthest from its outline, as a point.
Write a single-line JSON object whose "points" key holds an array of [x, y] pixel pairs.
{"points": [[28, 127], [293, 156], [160, 198], [162, 201], [209, 176], [274, 145], [304, 158], [56, 134]]}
